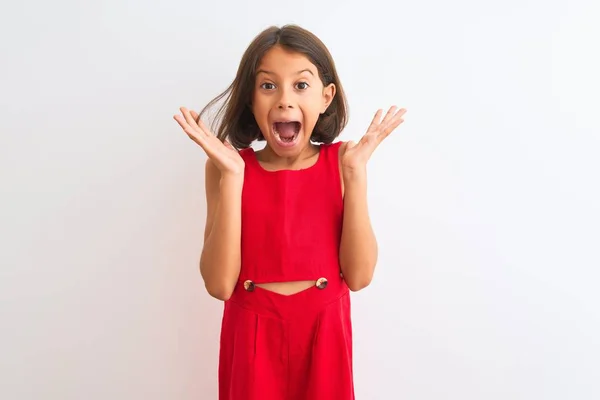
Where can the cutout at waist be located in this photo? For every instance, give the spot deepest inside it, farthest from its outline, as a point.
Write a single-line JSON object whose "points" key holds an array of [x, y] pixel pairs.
{"points": [[265, 301], [286, 288]]}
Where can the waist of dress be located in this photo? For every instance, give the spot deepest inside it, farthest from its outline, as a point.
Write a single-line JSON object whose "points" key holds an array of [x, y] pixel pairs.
{"points": [[265, 270], [326, 290]]}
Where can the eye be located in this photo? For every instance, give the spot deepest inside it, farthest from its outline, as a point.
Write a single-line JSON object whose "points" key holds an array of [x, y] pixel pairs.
{"points": [[267, 86], [302, 85]]}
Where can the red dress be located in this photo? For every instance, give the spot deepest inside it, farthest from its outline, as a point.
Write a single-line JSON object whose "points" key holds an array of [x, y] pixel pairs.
{"points": [[296, 347]]}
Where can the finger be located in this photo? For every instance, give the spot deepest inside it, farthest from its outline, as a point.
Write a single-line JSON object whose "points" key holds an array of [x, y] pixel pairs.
{"points": [[189, 119], [397, 115], [389, 129], [389, 115], [200, 123], [391, 119], [375, 120], [191, 132], [204, 128], [183, 123], [393, 123]]}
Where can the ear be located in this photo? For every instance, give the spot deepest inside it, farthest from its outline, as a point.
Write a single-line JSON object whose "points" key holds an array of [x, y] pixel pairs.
{"points": [[328, 96]]}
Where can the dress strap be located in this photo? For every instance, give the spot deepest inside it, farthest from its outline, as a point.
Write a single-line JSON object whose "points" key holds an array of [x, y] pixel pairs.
{"points": [[247, 155], [330, 154]]}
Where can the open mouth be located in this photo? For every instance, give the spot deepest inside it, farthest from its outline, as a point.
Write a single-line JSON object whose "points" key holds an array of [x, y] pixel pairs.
{"points": [[286, 132]]}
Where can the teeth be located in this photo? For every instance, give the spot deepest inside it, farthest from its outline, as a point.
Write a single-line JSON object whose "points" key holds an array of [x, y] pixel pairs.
{"points": [[279, 138], [286, 140], [297, 128]]}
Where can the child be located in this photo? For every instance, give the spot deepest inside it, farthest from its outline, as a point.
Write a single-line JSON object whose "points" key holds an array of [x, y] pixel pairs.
{"points": [[287, 232]]}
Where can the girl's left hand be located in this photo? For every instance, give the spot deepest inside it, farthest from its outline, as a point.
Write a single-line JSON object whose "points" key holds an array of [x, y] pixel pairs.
{"points": [[355, 156]]}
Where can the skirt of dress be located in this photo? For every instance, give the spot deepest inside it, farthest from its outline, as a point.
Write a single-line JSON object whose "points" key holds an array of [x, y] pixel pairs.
{"points": [[279, 347]]}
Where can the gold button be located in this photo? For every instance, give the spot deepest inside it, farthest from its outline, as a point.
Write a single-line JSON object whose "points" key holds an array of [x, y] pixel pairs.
{"points": [[249, 286], [321, 283]]}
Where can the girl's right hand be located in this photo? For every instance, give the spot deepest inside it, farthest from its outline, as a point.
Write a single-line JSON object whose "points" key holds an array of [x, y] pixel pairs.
{"points": [[225, 157]]}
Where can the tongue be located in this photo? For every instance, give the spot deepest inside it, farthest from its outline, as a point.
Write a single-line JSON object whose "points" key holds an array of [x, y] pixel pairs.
{"points": [[286, 130]]}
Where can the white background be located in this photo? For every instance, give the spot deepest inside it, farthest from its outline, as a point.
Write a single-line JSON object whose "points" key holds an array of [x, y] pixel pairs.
{"points": [[486, 202]]}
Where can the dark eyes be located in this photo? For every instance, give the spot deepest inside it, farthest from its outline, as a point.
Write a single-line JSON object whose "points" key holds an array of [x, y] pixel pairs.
{"points": [[271, 86]]}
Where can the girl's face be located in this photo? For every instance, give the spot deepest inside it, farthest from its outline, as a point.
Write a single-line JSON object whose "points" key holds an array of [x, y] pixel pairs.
{"points": [[287, 100]]}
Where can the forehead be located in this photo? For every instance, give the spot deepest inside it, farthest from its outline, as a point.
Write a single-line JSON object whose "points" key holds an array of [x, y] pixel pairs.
{"points": [[284, 62]]}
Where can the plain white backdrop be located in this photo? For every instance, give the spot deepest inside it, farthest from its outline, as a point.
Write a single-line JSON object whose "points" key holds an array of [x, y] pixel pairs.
{"points": [[486, 202]]}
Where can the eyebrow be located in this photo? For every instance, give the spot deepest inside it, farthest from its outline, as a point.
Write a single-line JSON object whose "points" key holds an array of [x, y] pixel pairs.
{"points": [[273, 73]]}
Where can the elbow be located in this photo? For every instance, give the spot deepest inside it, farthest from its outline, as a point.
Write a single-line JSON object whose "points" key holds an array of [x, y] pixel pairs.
{"points": [[222, 295], [358, 274], [219, 291], [358, 282], [218, 282], [218, 287], [358, 268], [356, 285]]}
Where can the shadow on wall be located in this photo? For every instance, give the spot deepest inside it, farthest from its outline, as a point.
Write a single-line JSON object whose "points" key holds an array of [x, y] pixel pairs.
{"points": [[199, 314], [189, 320]]}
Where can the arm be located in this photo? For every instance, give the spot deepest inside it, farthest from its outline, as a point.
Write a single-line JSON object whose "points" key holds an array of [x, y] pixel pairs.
{"points": [[220, 259], [358, 248]]}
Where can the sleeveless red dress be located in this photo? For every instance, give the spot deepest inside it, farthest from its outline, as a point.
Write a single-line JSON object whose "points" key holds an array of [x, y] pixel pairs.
{"points": [[296, 347]]}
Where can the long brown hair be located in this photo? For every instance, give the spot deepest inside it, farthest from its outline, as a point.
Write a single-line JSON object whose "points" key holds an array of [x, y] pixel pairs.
{"points": [[234, 120]]}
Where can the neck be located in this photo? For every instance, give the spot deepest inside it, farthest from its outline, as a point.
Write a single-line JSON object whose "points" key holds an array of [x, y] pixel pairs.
{"points": [[268, 156]]}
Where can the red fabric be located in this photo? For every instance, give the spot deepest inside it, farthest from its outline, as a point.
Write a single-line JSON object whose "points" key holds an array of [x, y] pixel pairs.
{"points": [[296, 347], [291, 219]]}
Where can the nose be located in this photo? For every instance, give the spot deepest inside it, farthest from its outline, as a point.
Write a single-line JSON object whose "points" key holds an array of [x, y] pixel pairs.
{"points": [[285, 101]]}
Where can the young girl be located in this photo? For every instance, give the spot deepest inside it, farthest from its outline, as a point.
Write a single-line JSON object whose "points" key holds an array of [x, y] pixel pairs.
{"points": [[287, 232]]}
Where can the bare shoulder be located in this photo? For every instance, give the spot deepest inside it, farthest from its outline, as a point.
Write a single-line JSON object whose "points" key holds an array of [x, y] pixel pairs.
{"points": [[341, 152]]}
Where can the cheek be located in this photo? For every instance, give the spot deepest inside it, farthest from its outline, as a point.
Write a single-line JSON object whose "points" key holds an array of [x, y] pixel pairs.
{"points": [[258, 111], [311, 112], [260, 108]]}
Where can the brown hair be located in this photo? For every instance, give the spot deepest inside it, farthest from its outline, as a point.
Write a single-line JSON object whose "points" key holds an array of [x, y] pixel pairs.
{"points": [[237, 123]]}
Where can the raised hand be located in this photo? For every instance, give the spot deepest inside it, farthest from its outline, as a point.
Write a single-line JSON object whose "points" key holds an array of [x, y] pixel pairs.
{"points": [[226, 158], [356, 155]]}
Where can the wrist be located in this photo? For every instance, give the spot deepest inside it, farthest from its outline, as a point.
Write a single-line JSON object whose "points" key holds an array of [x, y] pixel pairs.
{"points": [[232, 180], [354, 174]]}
